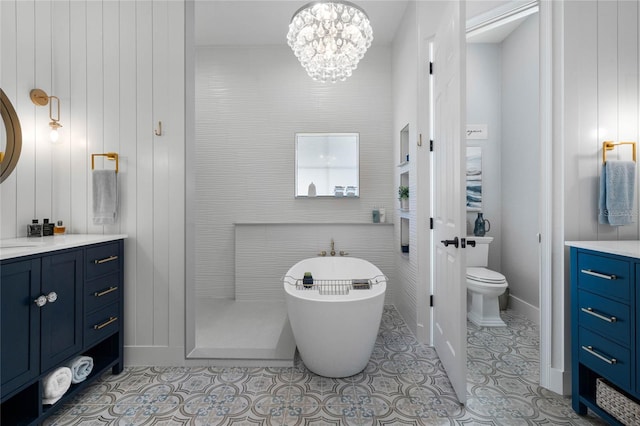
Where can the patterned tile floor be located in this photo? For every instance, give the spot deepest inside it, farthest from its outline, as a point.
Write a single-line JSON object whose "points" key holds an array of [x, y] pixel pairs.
{"points": [[403, 384]]}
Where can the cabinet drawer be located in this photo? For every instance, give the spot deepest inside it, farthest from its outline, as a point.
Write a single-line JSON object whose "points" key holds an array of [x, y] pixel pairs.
{"points": [[101, 324], [604, 275], [608, 318], [102, 291], [605, 357], [103, 259]]}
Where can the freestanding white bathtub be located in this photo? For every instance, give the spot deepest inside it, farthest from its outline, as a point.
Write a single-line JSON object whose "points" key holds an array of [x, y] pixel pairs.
{"points": [[335, 322]]}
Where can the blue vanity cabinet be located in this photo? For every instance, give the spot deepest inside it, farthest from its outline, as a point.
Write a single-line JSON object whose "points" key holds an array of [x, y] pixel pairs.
{"points": [[55, 306], [20, 336], [603, 326], [61, 321]]}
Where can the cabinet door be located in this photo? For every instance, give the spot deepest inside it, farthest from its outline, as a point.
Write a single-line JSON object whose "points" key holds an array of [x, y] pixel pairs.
{"points": [[61, 320], [20, 338], [636, 331]]}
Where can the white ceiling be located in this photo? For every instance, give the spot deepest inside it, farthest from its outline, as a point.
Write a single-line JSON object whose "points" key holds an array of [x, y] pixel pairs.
{"points": [[264, 22]]}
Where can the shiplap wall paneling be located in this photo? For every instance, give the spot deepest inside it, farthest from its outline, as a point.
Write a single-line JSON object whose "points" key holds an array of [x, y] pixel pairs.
{"points": [[145, 256], [607, 84], [77, 129], [161, 179], [581, 123], [128, 158], [43, 66], [61, 87], [8, 79], [97, 68], [25, 80], [100, 59], [628, 75]]}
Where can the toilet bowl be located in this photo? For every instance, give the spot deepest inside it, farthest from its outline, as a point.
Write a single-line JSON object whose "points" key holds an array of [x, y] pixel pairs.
{"points": [[484, 286]]}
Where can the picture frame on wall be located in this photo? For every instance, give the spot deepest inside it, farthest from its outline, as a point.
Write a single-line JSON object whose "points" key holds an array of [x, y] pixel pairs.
{"points": [[474, 178]]}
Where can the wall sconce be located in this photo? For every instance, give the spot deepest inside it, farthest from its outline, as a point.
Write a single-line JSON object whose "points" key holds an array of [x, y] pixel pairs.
{"points": [[39, 97]]}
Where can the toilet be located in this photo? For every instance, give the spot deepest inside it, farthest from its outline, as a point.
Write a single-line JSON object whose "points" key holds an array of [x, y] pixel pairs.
{"points": [[484, 286]]}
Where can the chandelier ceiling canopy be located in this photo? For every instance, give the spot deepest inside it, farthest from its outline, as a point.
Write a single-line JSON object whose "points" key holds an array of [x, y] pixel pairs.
{"points": [[329, 38]]}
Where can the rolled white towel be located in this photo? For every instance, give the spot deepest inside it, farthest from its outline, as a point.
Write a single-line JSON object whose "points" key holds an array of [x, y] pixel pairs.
{"points": [[81, 367], [55, 384]]}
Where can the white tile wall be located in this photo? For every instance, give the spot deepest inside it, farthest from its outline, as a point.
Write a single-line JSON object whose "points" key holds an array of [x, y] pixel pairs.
{"points": [[249, 104]]}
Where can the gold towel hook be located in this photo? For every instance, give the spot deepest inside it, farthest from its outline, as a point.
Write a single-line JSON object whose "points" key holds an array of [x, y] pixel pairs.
{"points": [[609, 145], [158, 132], [110, 156]]}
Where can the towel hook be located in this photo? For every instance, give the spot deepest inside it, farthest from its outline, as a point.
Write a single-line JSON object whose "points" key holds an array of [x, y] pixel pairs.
{"points": [[158, 132]]}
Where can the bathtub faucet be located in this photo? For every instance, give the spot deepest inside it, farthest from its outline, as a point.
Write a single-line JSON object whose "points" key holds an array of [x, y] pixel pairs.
{"points": [[333, 250]]}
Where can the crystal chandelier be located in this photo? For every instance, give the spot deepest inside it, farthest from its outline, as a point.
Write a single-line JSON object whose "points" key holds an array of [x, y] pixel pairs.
{"points": [[330, 38]]}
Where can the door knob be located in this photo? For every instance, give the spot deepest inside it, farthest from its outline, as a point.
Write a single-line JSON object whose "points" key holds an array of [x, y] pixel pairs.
{"points": [[40, 301], [52, 297], [447, 242]]}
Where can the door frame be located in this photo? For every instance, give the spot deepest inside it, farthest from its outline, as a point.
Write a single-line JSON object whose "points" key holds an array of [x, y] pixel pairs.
{"points": [[549, 378]]}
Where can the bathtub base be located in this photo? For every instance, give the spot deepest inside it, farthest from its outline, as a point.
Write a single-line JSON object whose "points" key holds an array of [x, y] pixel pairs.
{"points": [[336, 340]]}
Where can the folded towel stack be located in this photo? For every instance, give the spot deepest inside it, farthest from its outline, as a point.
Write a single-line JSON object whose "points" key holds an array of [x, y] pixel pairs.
{"points": [[105, 197], [80, 367], [617, 190], [55, 384]]}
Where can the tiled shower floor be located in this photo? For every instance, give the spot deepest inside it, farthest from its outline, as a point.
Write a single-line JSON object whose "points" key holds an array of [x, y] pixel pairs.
{"points": [[403, 384]]}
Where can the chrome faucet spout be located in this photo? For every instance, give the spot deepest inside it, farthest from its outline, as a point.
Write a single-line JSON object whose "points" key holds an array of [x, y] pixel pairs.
{"points": [[333, 251]]}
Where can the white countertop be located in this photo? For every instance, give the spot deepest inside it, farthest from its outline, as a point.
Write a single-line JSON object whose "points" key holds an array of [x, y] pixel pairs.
{"points": [[18, 247], [629, 248]]}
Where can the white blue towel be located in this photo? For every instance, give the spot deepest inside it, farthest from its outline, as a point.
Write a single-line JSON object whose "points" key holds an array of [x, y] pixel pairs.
{"points": [[81, 367], [55, 384], [617, 191], [105, 197]]}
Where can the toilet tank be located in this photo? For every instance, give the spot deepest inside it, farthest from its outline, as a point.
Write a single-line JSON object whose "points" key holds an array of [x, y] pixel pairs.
{"points": [[478, 255]]}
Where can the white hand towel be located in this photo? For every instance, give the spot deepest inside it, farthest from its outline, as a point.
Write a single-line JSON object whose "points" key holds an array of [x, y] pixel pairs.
{"points": [[105, 197], [55, 385], [80, 367]]}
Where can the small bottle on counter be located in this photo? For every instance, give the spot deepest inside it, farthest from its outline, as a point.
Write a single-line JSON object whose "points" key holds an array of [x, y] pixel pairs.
{"points": [[35, 229], [47, 228], [59, 228]]}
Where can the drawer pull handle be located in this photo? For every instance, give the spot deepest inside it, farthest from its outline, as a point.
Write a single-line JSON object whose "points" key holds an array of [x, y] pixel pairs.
{"points": [[596, 354], [106, 323], [598, 274], [108, 259], [107, 291], [590, 311]]}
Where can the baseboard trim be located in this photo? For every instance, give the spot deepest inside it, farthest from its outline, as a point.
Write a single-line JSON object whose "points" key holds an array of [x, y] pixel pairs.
{"points": [[136, 356], [162, 356], [560, 381], [532, 313]]}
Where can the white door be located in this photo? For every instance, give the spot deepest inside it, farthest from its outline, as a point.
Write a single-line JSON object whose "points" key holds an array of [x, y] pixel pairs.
{"points": [[449, 288]]}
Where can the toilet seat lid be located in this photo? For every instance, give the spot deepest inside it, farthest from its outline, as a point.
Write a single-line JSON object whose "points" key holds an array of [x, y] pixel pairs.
{"points": [[485, 275]]}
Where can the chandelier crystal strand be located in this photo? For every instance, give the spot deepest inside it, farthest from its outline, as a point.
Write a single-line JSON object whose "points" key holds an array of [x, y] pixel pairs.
{"points": [[329, 39]]}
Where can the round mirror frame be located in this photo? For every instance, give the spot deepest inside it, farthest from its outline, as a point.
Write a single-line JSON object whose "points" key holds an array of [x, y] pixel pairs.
{"points": [[14, 137]]}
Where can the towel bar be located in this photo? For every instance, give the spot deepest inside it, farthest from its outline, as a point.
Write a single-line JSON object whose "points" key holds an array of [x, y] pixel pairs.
{"points": [[112, 156], [609, 145]]}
